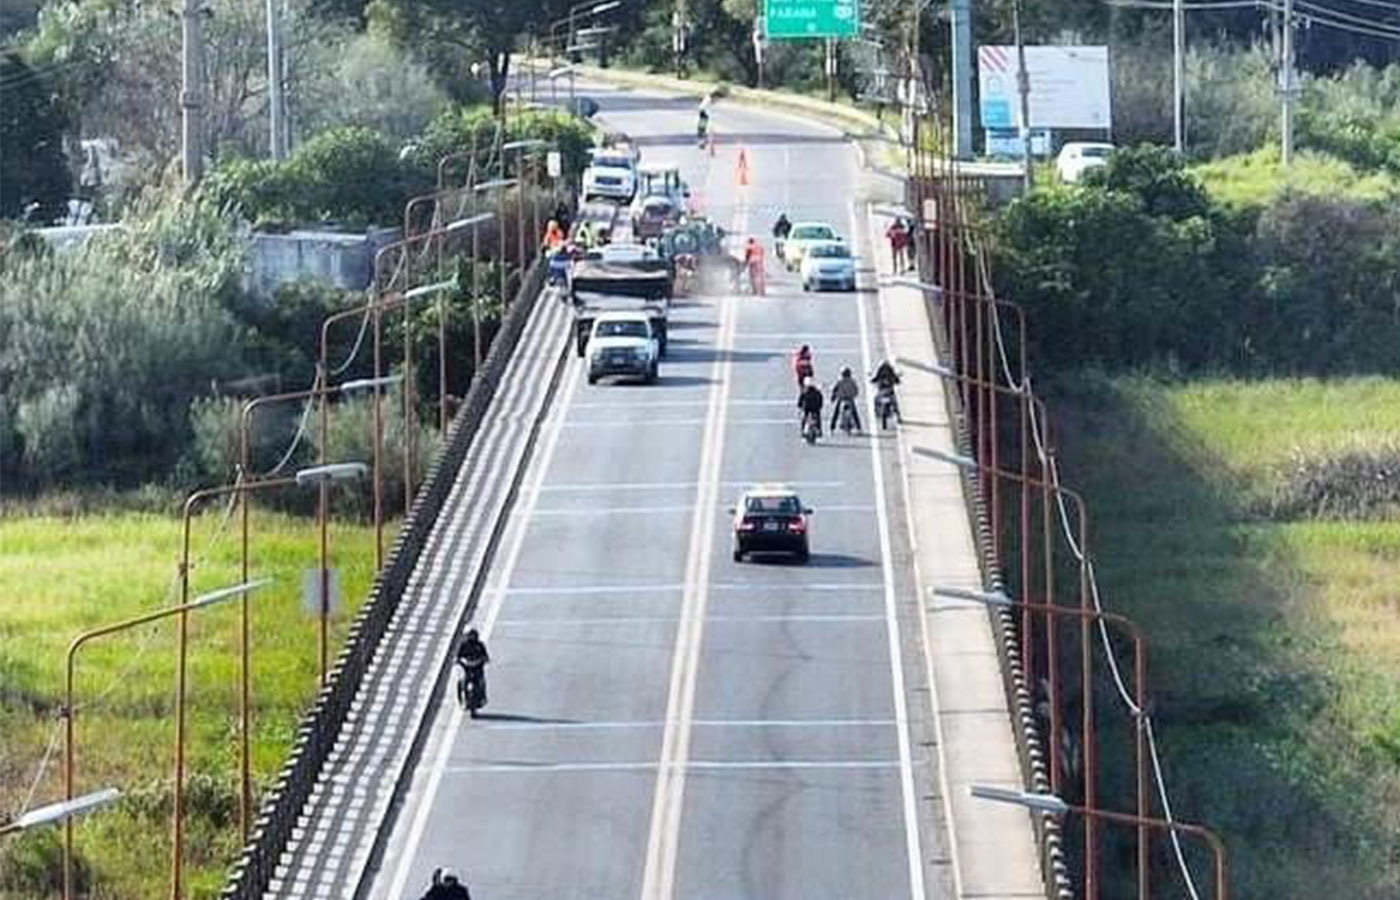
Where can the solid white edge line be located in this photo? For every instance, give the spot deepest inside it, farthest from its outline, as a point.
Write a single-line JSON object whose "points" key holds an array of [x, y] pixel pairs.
{"points": [[526, 768], [901, 710], [935, 703], [494, 601]]}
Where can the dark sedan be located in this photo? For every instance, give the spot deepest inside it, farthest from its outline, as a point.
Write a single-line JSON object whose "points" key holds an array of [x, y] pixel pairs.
{"points": [[771, 519]]}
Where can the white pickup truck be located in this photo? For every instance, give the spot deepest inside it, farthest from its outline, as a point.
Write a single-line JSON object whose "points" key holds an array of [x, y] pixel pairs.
{"points": [[623, 343]]}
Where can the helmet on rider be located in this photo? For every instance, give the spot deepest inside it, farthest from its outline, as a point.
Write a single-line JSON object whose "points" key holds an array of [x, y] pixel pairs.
{"points": [[846, 372], [473, 634], [448, 876]]}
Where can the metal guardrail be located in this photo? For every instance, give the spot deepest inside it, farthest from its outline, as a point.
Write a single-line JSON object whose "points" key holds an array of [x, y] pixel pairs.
{"points": [[316, 736], [1015, 680]]}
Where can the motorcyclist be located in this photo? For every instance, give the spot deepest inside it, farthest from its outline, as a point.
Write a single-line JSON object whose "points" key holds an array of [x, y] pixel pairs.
{"points": [[884, 379], [781, 229], [702, 124], [802, 365], [845, 391], [447, 886], [809, 401], [472, 656]]}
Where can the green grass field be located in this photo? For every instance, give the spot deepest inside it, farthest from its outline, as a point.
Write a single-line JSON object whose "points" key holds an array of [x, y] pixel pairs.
{"points": [[1273, 643], [61, 576]]}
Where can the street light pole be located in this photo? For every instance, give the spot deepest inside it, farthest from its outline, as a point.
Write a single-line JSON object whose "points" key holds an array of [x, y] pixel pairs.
{"points": [[69, 765], [1051, 611], [1051, 804], [59, 812], [1086, 657]]}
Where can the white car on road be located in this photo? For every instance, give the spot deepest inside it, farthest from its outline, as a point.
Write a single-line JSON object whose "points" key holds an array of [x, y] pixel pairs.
{"points": [[611, 175], [1078, 157], [828, 265], [802, 236], [623, 343]]}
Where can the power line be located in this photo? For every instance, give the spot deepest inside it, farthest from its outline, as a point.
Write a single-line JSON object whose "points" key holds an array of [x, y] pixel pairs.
{"points": [[1350, 17]]}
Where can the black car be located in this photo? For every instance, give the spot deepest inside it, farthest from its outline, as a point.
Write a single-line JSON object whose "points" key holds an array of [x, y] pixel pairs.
{"points": [[771, 519]]}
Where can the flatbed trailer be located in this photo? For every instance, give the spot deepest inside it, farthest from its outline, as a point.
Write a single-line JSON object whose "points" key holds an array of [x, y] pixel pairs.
{"points": [[597, 287]]}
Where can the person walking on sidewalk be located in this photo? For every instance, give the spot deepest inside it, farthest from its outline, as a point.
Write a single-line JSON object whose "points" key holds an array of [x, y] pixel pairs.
{"points": [[898, 236]]}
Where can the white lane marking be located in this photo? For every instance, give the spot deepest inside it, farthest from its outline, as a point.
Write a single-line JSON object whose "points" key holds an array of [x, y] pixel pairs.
{"points": [[673, 508], [901, 711], [493, 602], [676, 768], [670, 485], [592, 589], [663, 838], [644, 620], [639, 425], [694, 723], [935, 701], [753, 587], [667, 404], [758, 588], [806, 337]]}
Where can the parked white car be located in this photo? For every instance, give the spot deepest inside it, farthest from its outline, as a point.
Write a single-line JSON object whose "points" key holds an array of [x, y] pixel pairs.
{"points": [[623, 343], [828, 265], [1078, 157]]}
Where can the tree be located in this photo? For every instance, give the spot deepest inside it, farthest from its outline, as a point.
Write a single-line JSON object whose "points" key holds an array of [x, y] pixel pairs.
{"points": [[453, 33], [31, 144]]}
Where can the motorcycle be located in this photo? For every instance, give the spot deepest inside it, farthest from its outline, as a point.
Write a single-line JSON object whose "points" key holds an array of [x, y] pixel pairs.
{"points": [[471, 694], [885, 406], [811, 427], [846, 417]]}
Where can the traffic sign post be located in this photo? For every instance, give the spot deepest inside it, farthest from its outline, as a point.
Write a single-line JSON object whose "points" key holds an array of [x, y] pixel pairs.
{"points": [[788, 19]]}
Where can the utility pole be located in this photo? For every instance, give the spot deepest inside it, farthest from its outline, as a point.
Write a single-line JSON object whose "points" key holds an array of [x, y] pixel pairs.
{"points": [[276, 102], [831, 68], [1179, 74], [1288, 79], [961, 11], [1023, 87], [678, 33], [191, 95]]}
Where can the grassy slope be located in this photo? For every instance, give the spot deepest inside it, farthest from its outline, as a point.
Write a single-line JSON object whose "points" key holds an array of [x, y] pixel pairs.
{"points": [[1254, 179], [61, 576], [1272, 643]]}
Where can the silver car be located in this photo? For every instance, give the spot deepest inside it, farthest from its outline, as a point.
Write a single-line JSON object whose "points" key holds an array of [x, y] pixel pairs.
{"points": [[828, 265]]}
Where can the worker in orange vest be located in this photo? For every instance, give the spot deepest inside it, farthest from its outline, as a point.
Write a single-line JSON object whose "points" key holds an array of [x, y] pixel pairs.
{"points": [[753, 260], [553, 235]]}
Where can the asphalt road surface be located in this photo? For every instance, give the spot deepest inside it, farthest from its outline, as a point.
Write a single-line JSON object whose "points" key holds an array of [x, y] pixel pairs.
{"points": [[663, 722]]}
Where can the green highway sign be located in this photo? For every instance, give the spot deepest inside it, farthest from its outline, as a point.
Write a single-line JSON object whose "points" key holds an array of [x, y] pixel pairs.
{"points": [[811, 18]]}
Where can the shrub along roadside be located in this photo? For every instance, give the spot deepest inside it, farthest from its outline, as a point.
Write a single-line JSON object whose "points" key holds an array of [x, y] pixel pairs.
{"points": [[1141, 267], [355, 176]]}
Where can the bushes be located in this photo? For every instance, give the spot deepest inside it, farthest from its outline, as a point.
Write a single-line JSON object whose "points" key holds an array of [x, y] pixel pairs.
{"points": [[350, 175], [454, 131], [101, 348], [1140, 267]]}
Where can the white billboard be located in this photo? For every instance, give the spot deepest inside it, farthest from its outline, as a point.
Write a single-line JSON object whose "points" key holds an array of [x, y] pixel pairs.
{"points": [[1069, 87]]}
